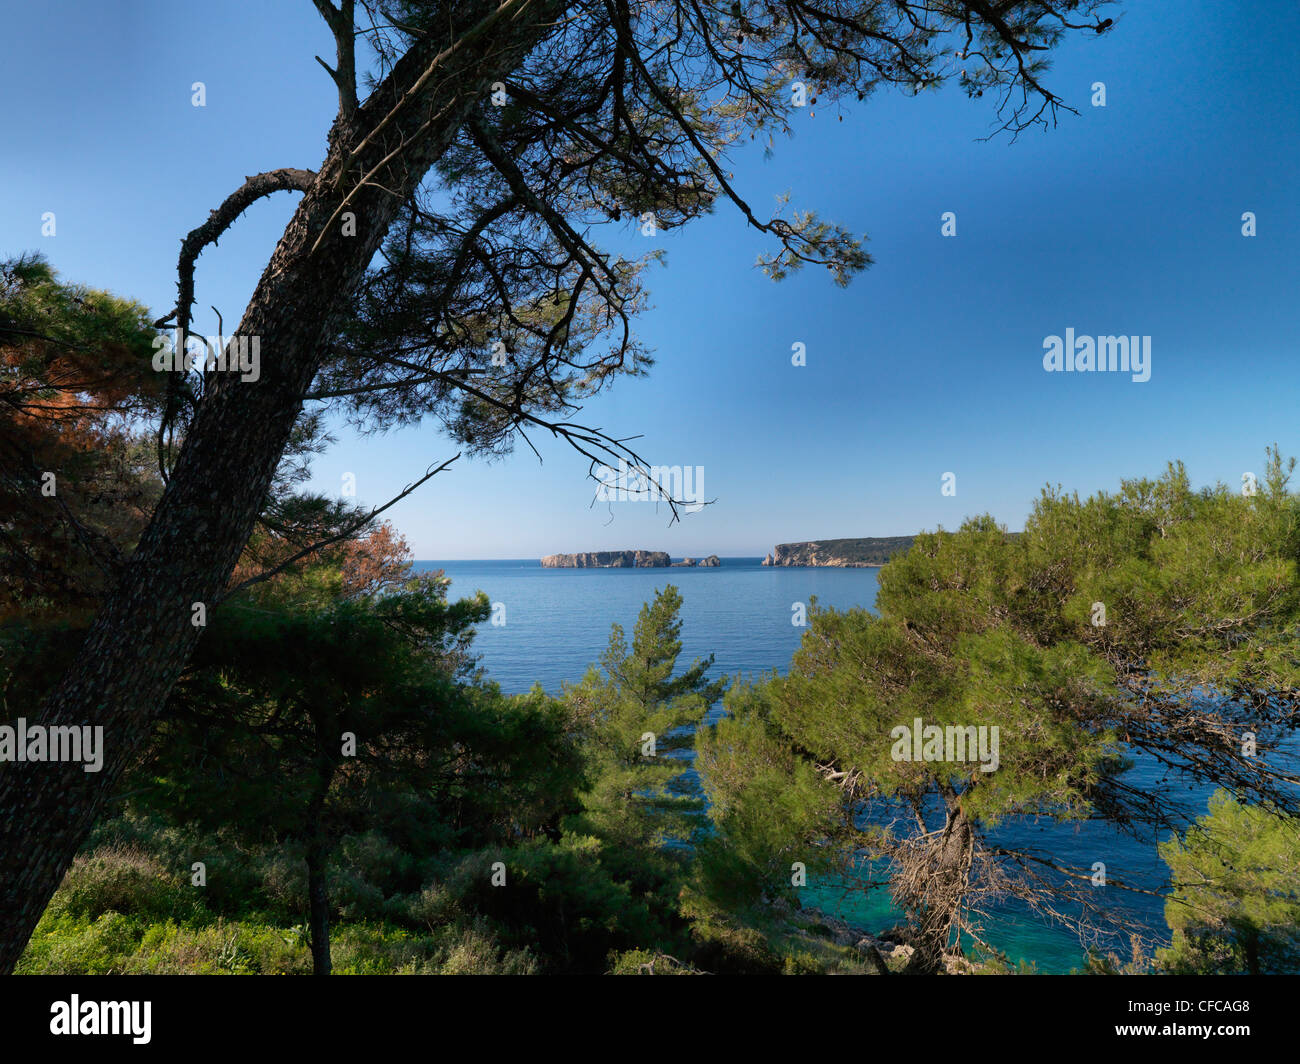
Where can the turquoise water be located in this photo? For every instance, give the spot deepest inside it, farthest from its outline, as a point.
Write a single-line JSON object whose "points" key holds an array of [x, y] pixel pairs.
{"points": [[557, 623]]}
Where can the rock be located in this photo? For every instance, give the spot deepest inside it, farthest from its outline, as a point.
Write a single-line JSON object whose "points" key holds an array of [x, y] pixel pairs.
{"points": [[824, 924], [608, 559], [955, 965], [865, 553], [712, 560], [899, 933], [768, 560]]}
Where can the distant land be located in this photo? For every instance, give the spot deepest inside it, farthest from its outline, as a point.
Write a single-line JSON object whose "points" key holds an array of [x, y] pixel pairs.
{"points": [[625, 559], [836, 553], [868, 552], [871, 551], [608, 559]]}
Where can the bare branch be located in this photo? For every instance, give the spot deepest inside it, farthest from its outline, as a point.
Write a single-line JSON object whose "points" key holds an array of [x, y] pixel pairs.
{"points": [[339, 20], [221, 219], [350, 529]]}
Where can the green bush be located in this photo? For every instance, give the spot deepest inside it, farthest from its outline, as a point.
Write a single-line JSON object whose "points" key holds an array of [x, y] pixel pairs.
{"points": [[67, 945], [125, 879]]}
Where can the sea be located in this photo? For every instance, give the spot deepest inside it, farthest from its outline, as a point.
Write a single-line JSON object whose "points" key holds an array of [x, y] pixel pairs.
{"points": [[553, 624]]}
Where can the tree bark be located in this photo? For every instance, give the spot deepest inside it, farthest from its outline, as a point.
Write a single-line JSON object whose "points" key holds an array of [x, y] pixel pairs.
{"points": [[319, 906], [143, 636], [318, 848], [948, 865]]}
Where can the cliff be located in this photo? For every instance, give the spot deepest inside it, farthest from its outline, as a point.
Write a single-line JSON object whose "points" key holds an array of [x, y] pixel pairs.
{"points": [[840, 553], [607, 559]]}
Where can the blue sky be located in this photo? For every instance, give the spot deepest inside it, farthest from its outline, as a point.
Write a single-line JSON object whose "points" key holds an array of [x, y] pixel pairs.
{"points": [[1123, 220]]}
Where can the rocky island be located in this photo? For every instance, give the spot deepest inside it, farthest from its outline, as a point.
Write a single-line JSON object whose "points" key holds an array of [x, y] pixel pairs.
{"points": [[608, 559], [869, 552]]}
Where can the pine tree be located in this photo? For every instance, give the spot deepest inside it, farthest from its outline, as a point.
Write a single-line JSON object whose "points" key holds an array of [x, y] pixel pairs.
{"points": [[1158, 619], [77, 477], [1235, 904], [494, 140], [305, 718], [638, 721]]}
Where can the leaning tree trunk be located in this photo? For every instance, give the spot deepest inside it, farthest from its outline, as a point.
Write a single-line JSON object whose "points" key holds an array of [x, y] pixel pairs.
{"points": [[143, 635], [938, 886]]}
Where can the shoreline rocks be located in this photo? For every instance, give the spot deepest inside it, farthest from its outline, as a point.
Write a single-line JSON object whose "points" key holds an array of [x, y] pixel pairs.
{"points": [[886, 946]]}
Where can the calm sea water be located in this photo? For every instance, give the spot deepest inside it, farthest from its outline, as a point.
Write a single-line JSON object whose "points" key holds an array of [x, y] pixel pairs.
{"points": [[558, 620], [557, 624]]}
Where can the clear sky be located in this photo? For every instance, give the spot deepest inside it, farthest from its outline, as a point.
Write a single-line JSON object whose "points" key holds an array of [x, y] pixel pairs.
{"points": [[1123, 220]]}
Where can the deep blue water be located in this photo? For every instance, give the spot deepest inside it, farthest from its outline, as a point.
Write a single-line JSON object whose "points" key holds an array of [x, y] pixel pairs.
{"points": [[558, 621]]}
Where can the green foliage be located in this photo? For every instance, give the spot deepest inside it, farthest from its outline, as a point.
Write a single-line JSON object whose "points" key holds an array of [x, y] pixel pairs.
{"points": [[616, 861], [36, 306], [122, 945], [769, 807], [76, 380], [127, 906], [121, 879], [772, 939], [1159, 618], [634, 721], [450, 777], [342, 734], [563, 900], [1235, 904], [276, 686], [648, 962]]}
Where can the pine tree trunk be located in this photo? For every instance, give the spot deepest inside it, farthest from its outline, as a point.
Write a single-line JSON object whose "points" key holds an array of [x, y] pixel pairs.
{"points": [[318, 901], [143, 636], [319, 904], [948, 865]]}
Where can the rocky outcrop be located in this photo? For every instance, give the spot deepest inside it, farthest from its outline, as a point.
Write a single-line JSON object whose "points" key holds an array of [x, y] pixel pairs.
{"points": [[711, 561], [839, 553], [887, 951], [608, 559], [867, 552]]}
